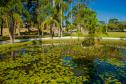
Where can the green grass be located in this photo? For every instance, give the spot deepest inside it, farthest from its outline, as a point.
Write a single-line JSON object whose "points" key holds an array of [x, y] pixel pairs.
{"points": [[115, 34], [109, 34], [80, 34]]}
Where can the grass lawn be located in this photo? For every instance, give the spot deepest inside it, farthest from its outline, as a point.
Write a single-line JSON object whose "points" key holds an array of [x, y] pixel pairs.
{"points": [[109, 34], [115, 34]]}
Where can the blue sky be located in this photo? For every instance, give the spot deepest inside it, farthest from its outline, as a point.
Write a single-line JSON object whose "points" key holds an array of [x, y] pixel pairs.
{"points": [[107, 9]]}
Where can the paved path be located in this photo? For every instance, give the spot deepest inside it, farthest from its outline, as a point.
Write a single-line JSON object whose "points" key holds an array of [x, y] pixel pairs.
{"points": [[56, 38]]}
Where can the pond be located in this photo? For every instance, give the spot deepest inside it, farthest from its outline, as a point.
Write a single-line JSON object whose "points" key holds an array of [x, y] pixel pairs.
{"points": [[100, 71], [60, 64]]}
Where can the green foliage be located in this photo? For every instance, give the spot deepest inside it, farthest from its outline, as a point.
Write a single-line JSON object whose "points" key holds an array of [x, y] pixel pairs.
{"points": [[85, 17], [116, 25], [110, 80], [88, 42]]}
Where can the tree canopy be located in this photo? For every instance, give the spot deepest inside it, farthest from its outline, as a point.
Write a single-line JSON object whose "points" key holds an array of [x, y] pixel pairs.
{"points": [[38, 12]]}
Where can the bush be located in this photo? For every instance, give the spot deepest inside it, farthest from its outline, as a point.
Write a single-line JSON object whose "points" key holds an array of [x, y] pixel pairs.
{"points": [[3, 38], [67, 34], [88, 42]]}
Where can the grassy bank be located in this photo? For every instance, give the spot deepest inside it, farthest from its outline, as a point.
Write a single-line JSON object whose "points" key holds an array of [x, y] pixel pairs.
{"points": [[63, 41], [7, 47], [120, 43]]}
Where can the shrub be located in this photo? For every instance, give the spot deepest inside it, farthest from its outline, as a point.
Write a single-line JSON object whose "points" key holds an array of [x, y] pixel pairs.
{"points": [[88, 42]]}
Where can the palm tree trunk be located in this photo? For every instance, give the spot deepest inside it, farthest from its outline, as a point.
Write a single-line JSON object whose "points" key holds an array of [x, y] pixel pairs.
{"points": [[53, 2], [19, 34], [18, 30], [51, 31], [1, 32], [71, 14], [11, 28], [28, 25], [39, 31], [71, 33], [61, 20]]}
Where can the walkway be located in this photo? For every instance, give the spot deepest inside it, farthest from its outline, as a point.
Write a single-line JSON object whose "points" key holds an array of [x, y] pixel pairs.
{"points": [[56, 38]]}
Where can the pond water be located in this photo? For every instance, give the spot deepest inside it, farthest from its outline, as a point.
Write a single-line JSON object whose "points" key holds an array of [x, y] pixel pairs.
{"points": [[101, 71], [97, 70]]}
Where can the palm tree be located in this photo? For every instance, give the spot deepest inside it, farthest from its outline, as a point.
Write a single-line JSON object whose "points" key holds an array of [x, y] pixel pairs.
{"points": [[70, 27], [53, 23], [59, 7], [18, 22], [28, 14], [41, 13], [3, 11], [10, 7]]}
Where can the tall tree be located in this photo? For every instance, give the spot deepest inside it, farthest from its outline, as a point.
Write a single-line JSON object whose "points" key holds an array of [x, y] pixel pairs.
{"points": [[3, 11], [18, 22], [10, 7]]}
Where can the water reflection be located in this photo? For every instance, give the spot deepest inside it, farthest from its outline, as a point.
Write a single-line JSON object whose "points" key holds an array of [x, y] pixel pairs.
{"points": [[1, 57], [98, 70], [118, 49], [18, 53]]}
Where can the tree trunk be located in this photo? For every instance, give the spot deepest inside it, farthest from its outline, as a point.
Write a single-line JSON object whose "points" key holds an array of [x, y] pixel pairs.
{"points": [[18, 30], [53, 2], [1, 32], [51, 31], [11, 28], [28, 29], [78, 29], [71, 14], [39, 30], [61, 22]]}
